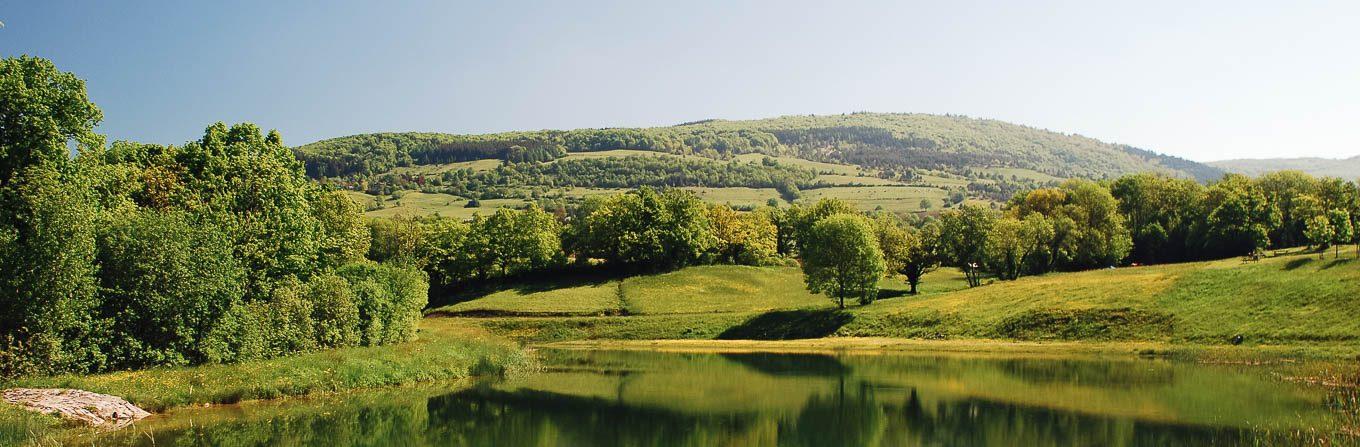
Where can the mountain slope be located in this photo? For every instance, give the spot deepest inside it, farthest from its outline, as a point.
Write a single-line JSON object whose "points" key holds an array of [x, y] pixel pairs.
{"points": [[901, 163], [893, 143], [1347, 168]]}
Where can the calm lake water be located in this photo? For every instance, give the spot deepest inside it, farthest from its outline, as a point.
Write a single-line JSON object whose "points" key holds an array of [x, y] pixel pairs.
{"points": [[589, 398]]}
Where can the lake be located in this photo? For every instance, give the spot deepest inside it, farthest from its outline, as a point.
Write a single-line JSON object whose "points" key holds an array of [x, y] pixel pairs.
{"points": [[601, 397]]}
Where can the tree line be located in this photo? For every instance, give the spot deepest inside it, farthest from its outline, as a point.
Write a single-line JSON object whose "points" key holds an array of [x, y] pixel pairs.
{"points": [[1076, 225], [518, 180], [134, 255]]}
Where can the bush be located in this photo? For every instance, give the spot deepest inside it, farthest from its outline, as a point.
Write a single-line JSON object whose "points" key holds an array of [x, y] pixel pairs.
{"points": [[165, 282], [334, 312], [389, 300]]}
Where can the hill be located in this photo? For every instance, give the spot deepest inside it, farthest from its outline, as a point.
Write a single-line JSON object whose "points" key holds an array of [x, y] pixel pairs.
{"points": [[1346, 168], [937, 160], [1292, 299]]}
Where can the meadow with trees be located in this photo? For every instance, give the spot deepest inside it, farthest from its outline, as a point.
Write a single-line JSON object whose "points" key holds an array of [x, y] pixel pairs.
{"points": [[130, 255]]}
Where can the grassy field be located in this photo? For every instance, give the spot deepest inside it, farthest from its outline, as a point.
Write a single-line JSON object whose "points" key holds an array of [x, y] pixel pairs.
{"points": [[1291, 301], [890, 198], [475, 165], [695, 290]]}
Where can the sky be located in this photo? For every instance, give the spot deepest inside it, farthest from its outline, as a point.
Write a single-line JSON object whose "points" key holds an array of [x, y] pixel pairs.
{"points": [[1200, 80]]}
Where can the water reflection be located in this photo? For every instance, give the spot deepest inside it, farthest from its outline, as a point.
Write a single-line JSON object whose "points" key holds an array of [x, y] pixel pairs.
{"points": [[588, 398]]}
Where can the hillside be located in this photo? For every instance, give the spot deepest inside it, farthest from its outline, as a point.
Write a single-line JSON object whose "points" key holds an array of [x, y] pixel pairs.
{"points": [[1294, 298], [900, 162], [1346, 168]]}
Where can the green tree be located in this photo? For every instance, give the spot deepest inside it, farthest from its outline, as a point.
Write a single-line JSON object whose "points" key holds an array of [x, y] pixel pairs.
{"points": [[1342, 231], [1320, 233], [644, 229], [47, 220], [515, 242], [344, 237], [802, 218], [1007, 247], [1238, 218], [907, 251], [743, 238], [47, 289], [963, 239], [42, 110], [165, 281], [841, 258]]}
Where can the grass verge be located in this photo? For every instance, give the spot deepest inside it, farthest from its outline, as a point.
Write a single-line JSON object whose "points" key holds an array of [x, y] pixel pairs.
{"points": [[445, 349]]}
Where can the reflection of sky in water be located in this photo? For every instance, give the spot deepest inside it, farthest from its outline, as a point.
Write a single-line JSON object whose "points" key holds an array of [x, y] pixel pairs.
{"points": [[645, 398]]}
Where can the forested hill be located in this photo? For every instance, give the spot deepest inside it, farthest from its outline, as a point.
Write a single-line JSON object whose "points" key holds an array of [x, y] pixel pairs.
{"points": [[1348, 168], [893, 145]]}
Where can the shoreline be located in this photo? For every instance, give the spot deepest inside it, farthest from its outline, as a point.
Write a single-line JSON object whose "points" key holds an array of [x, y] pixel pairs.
{"points": [[977, 347]]}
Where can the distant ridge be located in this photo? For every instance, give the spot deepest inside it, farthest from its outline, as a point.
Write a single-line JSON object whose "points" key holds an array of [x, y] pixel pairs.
{"points": [[1346, 168], [895, 142]]}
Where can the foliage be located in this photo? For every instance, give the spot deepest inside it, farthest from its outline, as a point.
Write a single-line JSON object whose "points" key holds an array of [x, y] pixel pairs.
{"points": [[1238, 219], [138, 255], [644, 229], [165, 282], [841, 258], [743, 238], [887, 142], [963, 239]]}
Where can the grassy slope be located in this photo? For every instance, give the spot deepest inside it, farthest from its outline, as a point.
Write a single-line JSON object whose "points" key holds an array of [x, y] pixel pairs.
{"points": [[1294, 299], [445, 349]]}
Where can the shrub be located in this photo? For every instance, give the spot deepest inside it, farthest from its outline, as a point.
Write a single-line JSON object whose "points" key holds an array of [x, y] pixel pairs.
{"points": [[165, 282], [334, 312], [389, 299]]}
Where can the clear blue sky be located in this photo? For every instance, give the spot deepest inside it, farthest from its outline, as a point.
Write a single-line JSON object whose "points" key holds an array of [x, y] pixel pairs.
{"points": [[1208, 80]]}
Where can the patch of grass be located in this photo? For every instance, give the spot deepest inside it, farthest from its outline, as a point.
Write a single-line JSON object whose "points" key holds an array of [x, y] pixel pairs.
{"points": [[485, 164], [890, 198], [416, 203], [815, 166], [446, 349], [788, 325], [737, 196], [597, 298], [23, 427], [854, 180], [641, 327], [720, 288], [618, 153]]}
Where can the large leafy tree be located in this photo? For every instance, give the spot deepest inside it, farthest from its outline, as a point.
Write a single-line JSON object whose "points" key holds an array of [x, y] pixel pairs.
{"points": [[841, 258], [43, 111], [1342, 231], [1158, 211], [743, 238], [963, 239], [906, 250], [802, 218], [47, 218], [644, 229], [1283, 191], [1238, 218], [517, 241]]}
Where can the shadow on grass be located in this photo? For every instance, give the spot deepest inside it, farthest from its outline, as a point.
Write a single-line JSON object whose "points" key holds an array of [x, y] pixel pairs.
{"points": [[1336, 262], [789, 325], [1296, 263], [884, 294]]}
